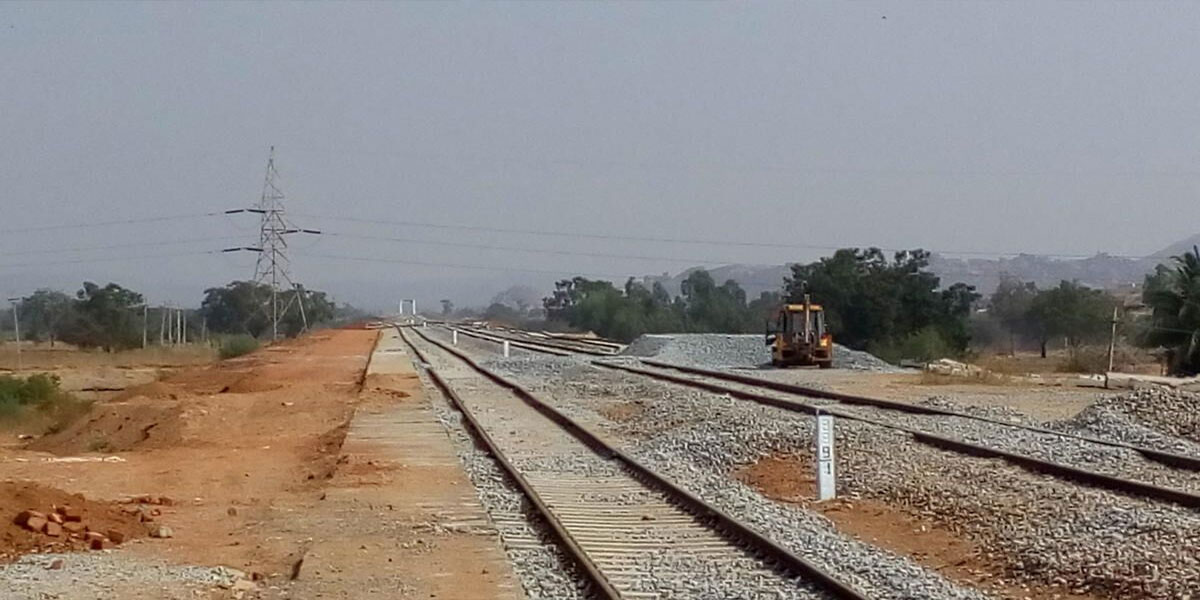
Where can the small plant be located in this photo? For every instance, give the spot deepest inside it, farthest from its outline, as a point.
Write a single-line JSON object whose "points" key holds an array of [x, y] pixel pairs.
{"points": [[237, 345], [39, 398], [99, 444]]}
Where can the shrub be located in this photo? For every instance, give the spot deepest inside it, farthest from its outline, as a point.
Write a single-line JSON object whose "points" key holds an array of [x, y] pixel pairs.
{"points": [[39, 398], [237, 345], [924, 345]]}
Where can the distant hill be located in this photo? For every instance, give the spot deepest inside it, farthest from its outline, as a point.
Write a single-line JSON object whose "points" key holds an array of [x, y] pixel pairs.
{"points": [[1099, 271], [1180, 247]]}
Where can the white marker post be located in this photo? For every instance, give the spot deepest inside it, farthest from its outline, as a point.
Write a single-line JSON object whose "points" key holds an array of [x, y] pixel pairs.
{"points": [[454, 336], [507, 350], [826, 480]]}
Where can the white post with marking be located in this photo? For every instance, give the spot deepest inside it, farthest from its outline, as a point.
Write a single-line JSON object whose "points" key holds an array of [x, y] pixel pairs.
{"points": [[454, 336], [507, 350], [826, 478]]}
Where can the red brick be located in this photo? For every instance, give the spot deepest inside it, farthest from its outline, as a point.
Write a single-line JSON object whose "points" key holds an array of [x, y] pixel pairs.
{"points": [[36, 523], [73, 527], [55, 518], [71, 513], [24, 516], [53, 529], [97, 543], [117, 537]]}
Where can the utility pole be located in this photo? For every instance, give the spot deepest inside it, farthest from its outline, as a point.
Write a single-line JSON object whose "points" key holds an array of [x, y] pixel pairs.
{"points": [[162, 327], [17, 330], [1112, 347], [272, 267], [145, 322]]}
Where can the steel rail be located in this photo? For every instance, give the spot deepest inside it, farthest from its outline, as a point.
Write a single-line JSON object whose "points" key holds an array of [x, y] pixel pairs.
{"points": [[723, 523], [599, 582], [1168, 458], [1085, 476], [550, 346], [516, 344]]}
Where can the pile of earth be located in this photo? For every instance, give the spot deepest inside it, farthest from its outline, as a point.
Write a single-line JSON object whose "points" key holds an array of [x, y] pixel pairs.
{"points": [[718, 350], [119, 426]]}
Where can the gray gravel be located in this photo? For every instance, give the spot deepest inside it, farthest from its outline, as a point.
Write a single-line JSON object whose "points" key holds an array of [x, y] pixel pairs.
{"points": [[1051, 532], [1157, 417], [719, 350], [108, 574]]}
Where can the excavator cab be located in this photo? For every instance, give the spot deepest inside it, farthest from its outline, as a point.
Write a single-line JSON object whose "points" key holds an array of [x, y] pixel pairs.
{"points": [[798, 336]]}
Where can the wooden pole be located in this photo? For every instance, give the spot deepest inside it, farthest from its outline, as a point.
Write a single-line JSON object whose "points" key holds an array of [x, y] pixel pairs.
{"points": [[1112, 347]]}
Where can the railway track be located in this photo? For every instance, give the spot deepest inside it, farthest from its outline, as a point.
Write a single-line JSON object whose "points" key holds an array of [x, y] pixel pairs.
{"points": [[1179, 470], [545, 346], [630, 531]]}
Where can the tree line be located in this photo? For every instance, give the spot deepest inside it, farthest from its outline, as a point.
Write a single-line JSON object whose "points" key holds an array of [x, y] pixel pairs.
{"points": [[113, 317], [871, 301], [896, 308]]}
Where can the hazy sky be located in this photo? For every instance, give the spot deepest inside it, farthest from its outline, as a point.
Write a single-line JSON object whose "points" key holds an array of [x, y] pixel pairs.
{"points": [[1065, 128]]}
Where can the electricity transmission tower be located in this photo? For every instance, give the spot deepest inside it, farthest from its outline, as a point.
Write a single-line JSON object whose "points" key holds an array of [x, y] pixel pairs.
{"points": [[273, 267]]}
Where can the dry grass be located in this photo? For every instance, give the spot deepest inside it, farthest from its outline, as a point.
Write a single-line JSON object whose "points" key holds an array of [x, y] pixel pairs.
{"points": [[981, 378], [63, 356]]}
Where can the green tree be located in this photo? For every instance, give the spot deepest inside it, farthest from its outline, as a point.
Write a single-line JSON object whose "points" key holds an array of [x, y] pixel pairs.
{"points": [[1173, 294], [1071, 310], [238, 307], [105, 317], [1010, 305], [44, 315], [447, 308], [244, 307], [871, 300]]}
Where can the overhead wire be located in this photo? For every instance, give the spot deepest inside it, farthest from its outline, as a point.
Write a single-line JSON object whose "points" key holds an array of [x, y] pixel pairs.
{"points": [[92, 224], [679, 240]]}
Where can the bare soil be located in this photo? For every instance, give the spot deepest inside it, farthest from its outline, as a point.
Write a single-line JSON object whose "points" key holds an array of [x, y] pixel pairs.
{"points": [[791, 479], [242, 445]]}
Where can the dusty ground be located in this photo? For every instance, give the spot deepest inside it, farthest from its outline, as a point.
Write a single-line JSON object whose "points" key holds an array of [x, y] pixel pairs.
{"points": [[97, 375], [791, 479], [1041, 402], [241, 447]]}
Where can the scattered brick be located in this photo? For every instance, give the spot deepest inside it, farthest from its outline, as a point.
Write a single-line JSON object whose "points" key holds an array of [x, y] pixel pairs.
{"points": [[53, 529], [35, 523], [24, 516]]}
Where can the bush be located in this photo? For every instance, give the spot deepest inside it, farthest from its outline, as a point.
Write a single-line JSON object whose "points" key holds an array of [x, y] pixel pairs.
{"points": [[237, 345], [38, 397], [1085, 360], [924, 345]]}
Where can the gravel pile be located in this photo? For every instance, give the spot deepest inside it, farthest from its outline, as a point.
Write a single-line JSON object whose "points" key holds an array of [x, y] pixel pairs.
{"points": [[108, 575], [1163, 418], [1050, 533], [720, 350]]}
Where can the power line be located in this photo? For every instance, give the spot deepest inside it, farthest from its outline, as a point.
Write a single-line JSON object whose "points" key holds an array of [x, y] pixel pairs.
{"points": [[106, 259], [118, 246], [693, 241], [571, 272], [109, 223], [526, 249]]}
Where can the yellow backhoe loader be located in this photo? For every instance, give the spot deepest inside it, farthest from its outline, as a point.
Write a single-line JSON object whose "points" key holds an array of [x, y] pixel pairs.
{"points": [[798, 336]]}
